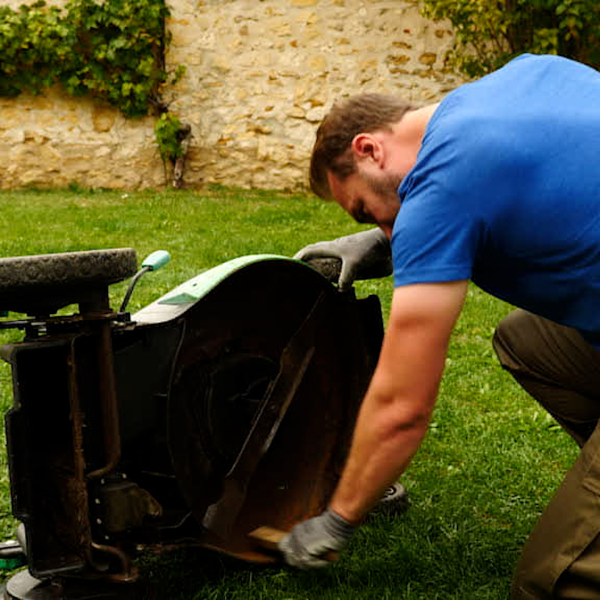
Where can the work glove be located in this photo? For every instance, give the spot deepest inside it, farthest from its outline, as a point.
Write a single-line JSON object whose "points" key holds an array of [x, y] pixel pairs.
{"points": [[308, 542], [364, 255]]}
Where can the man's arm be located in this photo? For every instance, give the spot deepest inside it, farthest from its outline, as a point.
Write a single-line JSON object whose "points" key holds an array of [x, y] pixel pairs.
{"points": [[395, 412], [393, 418]]}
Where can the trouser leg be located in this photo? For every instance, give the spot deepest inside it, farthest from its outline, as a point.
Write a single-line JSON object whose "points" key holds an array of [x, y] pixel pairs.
{"points": [[556, 366], [561, 371]]}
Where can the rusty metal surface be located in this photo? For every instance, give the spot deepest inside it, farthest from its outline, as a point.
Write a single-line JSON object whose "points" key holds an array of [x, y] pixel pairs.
{"points": [[44, 440], [107, 392], [257, 313], [295, 360]]}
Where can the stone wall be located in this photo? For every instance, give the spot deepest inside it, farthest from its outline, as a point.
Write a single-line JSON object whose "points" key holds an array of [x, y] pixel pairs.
{"points": [[260, 74]]}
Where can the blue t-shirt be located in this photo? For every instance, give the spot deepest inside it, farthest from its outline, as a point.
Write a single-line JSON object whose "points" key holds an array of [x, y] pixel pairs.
{"points": [[506, 191]]}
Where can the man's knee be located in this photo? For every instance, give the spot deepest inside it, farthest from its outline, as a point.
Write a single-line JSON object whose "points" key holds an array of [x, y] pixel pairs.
{"points": [[510, 341]]}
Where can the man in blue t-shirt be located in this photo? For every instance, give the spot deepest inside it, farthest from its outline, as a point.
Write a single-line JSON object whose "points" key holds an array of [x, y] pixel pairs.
{"points": [[498, 184]]}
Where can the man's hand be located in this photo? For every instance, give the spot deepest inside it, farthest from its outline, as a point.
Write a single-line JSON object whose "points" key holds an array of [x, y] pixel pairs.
{"points": [[364, 255], [305, 546]]}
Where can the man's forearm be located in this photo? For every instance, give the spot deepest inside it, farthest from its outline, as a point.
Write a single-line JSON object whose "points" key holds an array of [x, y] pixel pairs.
{"points": [[395, 413], [385, 440]]}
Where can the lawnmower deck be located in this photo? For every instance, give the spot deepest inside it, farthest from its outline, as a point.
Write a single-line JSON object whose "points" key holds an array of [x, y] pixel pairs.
{"points": [[226, 405]]}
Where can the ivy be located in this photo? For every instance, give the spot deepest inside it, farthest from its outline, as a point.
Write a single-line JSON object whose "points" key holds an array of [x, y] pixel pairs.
{"points": [[168, 130], [491, 32], [172, 138], [111, 49]]}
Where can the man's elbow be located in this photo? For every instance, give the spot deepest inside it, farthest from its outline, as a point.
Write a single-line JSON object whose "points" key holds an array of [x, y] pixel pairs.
{"points": [[398, 418]]}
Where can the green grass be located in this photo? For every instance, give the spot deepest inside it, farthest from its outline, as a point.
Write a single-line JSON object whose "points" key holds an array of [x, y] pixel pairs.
{"points": [[488, 466]]}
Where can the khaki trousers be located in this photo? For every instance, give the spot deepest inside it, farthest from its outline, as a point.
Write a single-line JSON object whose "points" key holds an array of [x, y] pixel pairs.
{"points": [[556, 366]]}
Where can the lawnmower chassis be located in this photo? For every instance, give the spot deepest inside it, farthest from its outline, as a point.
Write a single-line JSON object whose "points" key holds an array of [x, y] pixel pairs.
{"points": [[223, 406]]}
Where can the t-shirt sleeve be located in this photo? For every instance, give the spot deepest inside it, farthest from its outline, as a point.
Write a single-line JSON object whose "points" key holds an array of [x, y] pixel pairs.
{"points": [[435, 237]]}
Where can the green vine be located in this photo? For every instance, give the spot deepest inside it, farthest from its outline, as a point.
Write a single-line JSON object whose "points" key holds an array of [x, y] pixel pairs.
{"points": [[490, 32], [172, 137], [168, 130], [111, 49]]}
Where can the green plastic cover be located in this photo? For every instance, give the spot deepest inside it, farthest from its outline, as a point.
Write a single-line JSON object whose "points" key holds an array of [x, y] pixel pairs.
{"points": [[194, 289]]}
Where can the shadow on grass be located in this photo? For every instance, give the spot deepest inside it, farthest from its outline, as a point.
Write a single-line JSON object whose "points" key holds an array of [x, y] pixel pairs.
{"points": [[412, 559]]}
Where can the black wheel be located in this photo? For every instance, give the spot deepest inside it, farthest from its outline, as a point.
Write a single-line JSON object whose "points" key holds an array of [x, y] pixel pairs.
{"points": [[41, 284], [330, 268], [394, 500]]}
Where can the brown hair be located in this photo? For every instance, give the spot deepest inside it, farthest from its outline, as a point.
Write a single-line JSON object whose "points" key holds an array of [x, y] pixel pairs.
{"points": [[363, 113]]}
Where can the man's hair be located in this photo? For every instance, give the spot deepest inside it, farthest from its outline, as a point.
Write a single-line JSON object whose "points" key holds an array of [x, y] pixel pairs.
{"points": [[363, 113]]}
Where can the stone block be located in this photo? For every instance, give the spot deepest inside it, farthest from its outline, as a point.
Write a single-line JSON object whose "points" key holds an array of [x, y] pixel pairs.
{"points": [[103, 118], [428, 58]]}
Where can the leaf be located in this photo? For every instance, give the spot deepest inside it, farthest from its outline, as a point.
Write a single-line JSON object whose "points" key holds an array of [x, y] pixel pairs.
{"points": [[88, 45], [490, 33]]}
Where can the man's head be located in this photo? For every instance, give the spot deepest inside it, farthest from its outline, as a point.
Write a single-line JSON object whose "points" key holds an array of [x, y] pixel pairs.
{"points": [[350, 133]]}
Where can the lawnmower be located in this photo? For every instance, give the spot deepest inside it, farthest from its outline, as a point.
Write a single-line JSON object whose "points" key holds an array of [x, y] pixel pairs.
{"points": [[223, 406]]}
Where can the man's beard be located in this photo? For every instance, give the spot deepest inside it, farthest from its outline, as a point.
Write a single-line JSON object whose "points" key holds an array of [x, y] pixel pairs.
{"points": [[386, 187]]}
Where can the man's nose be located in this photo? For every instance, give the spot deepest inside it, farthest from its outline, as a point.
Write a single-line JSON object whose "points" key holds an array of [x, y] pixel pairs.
{"points": [[387, 229]]}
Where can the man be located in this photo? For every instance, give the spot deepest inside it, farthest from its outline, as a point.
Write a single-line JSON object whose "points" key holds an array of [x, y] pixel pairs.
{"points": [[498, 184]]}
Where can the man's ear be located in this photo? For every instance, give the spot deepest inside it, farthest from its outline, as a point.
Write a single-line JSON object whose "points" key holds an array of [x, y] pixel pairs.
{"points": [[366, 146]]}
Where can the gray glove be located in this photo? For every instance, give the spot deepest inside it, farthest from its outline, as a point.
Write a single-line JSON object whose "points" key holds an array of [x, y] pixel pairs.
{"points": [[305, 546], [364, 255]]}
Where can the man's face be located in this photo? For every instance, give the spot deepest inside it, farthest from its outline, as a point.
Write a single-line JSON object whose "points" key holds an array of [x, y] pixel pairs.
{"points": [[368, 198]]}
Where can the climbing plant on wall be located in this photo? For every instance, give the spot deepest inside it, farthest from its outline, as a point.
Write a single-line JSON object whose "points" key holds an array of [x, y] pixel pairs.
{"points": [[490, 32], [173, 139], [111, 49]]}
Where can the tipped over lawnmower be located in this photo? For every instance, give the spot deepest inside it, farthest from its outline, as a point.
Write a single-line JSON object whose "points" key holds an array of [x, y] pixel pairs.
{"points": [[224, 406]]}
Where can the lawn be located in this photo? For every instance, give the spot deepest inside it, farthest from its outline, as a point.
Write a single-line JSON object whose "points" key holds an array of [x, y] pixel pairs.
{"points": [[488, 466]]}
